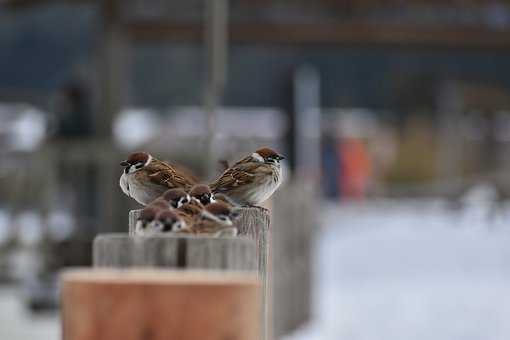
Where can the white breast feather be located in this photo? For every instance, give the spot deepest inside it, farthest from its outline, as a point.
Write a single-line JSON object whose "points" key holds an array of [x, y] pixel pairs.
{"points": [[124, 184], [269, 186]]}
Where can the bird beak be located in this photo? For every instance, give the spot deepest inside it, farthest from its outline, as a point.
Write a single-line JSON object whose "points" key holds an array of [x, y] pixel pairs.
{"points": [[280, 158], [124, 163]]}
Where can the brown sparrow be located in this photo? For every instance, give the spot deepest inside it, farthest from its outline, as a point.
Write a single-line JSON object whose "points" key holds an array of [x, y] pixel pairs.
{"points": [[220, 224], [145, 177], [223, 212], [195, 209], [145, 220], [202, 193], [184, 205], [253, 179], [176, 197], [168, 221]]}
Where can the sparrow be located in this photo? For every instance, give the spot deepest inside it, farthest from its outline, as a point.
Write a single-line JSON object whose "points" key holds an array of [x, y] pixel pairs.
{"points": [[145, 220], [253, 179], [194, 209], [223, 212], [220, 224], [145, 177], [176, 197], [168, 221], [202, 193], [187, 207]]}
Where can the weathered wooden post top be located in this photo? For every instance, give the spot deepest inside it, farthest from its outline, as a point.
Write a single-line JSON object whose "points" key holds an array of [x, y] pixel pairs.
{"points": [[247, 251]]}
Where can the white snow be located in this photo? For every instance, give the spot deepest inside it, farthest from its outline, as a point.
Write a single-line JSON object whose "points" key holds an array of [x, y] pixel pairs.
{"points": [[411, 270], [16, 323]]}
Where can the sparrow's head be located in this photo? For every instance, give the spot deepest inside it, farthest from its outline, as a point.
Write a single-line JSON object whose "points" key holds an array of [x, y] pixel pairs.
{"points": [[202, 193], [148, 214], [268, 156], [222, 211], [136, 161], [170, 221], [176, 197]]}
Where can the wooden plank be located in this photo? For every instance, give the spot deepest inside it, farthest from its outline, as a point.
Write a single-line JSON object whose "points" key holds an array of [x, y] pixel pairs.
{"points": [[173, 251], [254, 223], [159, 305]]}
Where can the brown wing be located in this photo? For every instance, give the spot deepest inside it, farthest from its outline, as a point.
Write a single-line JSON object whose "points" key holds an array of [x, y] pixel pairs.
{"points": [[186, 173], [213, 228], [241, 173], [205, 227], [193, 208], [189, 220], [235, 177], [163, 174]]}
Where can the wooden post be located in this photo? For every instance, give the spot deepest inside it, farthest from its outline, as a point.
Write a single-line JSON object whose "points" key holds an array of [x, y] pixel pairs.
{"points": [[295, 224], [159, 305], [171, 251], [249, 251]]}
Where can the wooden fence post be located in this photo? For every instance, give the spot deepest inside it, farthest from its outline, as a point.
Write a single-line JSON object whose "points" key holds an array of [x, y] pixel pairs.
{"points": [[249, 251], [159, 305]]}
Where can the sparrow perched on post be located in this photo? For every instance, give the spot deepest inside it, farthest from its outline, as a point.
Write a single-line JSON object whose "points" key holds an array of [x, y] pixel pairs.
{"points": [[253, 179], [183, 204], [202, 193], [169, 221], [217, 222], [176, 197], [145, 177], [145, 220], [223, 212]]}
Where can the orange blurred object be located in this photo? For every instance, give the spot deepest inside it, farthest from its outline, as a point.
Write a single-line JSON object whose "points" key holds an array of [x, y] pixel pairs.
{"points": [[355, 168]]}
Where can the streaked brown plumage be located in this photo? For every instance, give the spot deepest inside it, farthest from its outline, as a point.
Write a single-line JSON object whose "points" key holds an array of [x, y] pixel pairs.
{"points": [[145, 178], [253, 179]]}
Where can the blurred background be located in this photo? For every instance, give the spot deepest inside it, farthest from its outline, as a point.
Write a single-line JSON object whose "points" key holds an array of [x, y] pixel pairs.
{"points": [[394, 221]]}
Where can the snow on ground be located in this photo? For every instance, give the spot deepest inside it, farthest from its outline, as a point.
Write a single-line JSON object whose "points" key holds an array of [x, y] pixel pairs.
{"points": [[411, 270], [16, 323]]}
